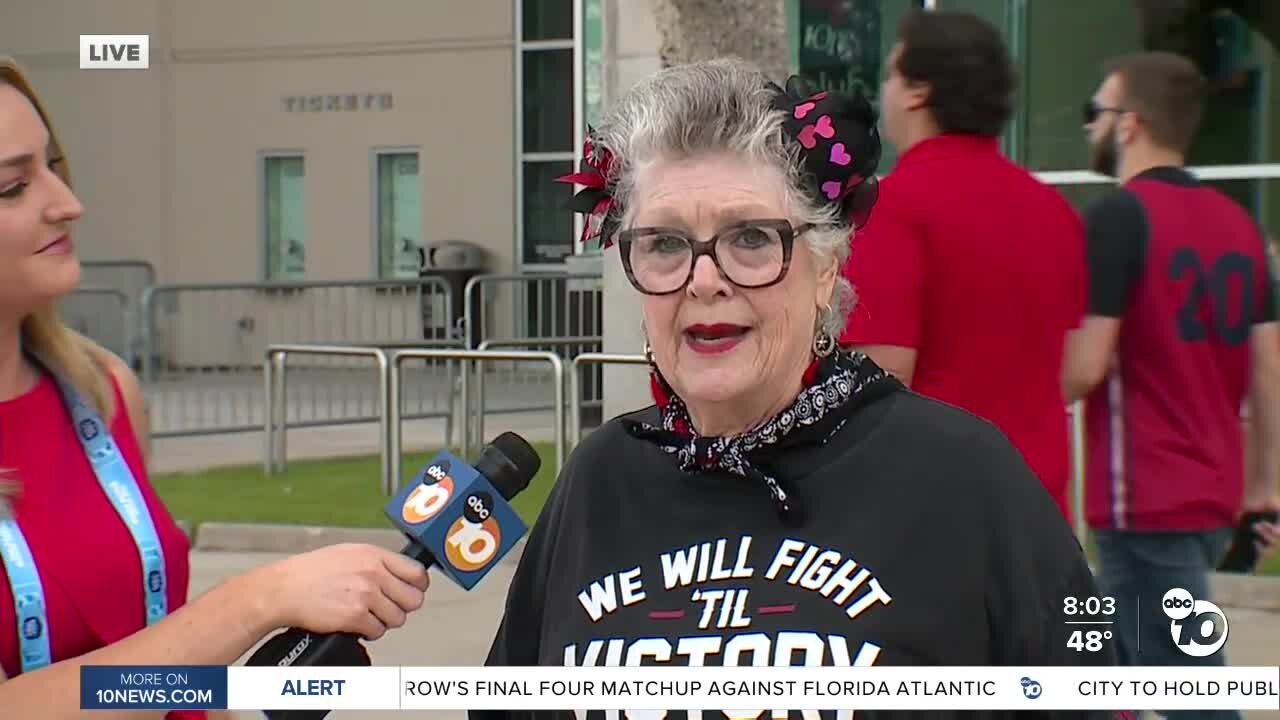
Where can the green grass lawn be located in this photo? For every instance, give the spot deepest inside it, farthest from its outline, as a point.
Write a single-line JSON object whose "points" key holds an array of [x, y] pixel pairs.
{"points": [[339, 493], [1271, 566]]}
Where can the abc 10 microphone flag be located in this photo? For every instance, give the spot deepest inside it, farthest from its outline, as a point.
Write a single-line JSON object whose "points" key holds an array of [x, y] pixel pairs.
{"points": [[450, 505]]}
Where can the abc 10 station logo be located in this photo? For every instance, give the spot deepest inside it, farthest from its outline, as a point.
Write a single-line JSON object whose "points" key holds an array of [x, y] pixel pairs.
{"points": [[473, 539], [1198, 627]]}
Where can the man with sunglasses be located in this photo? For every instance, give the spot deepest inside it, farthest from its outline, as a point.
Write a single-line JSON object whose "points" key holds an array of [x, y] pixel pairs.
{"points": [[1181, 330], [970, 271]]}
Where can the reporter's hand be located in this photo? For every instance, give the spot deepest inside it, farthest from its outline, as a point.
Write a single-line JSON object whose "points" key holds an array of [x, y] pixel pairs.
{"points": [[361, 589]]}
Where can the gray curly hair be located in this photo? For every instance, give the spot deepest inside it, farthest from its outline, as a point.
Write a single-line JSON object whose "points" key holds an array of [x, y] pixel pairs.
{"points": [[716, 106]]}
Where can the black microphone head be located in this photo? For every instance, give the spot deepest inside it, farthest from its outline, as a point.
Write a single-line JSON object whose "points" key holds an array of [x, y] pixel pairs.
{"points": [[510, 464]]}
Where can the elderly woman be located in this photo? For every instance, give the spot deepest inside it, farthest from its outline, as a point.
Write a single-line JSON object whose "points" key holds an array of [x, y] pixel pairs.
{"points": [[783, 502]]}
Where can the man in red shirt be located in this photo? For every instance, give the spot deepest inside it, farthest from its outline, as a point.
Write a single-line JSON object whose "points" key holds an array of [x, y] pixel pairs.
{"points": [[1181, 330], [971, 271]]}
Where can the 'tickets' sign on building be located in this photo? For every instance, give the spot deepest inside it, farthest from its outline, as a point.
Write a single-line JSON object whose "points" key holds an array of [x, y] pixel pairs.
{"points": [[344, 102]]}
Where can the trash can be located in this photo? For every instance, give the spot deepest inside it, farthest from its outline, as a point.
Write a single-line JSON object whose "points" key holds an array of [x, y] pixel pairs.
{"points": [[455, 262]]}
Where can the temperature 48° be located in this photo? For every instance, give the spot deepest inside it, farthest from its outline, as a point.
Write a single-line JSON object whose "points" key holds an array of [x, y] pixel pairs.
{"points": [[1088, 640]]}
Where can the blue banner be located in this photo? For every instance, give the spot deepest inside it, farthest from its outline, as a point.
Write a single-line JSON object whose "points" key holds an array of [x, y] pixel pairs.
{"points": [[153, 687]]}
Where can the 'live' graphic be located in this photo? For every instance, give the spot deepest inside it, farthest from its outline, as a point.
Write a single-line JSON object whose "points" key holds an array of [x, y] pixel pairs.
{"points": [[115, 52]]}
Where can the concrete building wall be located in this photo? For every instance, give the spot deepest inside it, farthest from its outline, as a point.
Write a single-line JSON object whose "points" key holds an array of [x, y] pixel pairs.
{"points": [[631, 54], [116, 126], [450, 78], [168, 161]]}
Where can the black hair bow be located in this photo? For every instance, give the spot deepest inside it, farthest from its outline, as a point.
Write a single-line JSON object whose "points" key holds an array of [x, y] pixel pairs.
{"points": [[839, 145]]}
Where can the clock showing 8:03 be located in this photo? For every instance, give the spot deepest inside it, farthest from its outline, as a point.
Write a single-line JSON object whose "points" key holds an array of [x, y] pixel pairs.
{"points": [[1086, 606], [1090, 620]]}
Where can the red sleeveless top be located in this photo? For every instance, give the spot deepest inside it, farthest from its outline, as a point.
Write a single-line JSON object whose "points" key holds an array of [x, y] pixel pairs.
{"points": [[86, 557]]}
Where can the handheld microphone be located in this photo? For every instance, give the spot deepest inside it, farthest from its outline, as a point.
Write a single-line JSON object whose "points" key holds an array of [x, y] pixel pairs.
{"points": [[452, 512]]}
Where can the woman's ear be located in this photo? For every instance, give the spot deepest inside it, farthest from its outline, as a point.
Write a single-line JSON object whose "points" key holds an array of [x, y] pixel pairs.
{"points": [[824, 289]]}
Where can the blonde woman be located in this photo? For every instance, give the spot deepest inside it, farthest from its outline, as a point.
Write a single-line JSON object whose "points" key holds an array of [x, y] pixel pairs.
{"points": [[93, 569]]}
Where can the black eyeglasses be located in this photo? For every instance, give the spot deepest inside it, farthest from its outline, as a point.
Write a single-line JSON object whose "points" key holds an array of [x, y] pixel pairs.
{"points": [[749, 254], [1092, 110]]}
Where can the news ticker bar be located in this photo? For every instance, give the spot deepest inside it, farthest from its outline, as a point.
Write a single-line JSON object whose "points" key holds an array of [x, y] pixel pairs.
{"points": [[691, 688]]}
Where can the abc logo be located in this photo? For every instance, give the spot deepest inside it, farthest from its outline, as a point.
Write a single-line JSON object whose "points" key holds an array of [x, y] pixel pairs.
{"points": [[31, 628], [427, 499], [473, 539], [1031, 689], [154, 582], [1199, 628], [88, 429]]}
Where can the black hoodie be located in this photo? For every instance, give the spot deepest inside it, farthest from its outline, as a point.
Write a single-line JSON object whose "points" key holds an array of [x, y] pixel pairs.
{"points": [[926, 540]]}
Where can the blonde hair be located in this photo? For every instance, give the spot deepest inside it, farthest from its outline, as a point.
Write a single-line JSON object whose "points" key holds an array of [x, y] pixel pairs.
{"points": [[78, 359]]}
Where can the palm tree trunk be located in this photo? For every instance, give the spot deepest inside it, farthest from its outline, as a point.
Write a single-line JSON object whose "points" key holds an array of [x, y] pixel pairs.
{"points": [[754, 30]]}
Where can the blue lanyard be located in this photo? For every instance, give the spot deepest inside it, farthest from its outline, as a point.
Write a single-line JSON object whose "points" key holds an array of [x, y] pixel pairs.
{"points": [[121, 488]]}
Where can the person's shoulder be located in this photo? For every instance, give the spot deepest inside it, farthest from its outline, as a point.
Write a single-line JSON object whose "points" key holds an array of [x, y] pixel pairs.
{"points": [[131, 413], [943, 423], [604, 443], [605, 446], [1119, 204], [973, 468], [127, 386], [905, 186], [956, 441]]}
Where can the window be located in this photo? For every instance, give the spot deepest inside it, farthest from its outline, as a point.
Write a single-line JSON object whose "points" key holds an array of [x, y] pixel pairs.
{"points": [[548, 101], [840, 45], [1064, 46], [398, 208], [284, 237], [545, 107], [548, 226], [546, 19]]}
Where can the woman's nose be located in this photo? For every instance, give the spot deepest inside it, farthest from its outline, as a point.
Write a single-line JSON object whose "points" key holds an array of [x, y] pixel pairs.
{"points": [[63, 205], [707, 280]]}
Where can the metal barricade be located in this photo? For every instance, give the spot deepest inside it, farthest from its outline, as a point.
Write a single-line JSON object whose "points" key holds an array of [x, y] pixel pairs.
{"points": [[203, 344], [394, 386], [131, 277], [528, 344], [526, 307], [103, 315], [541, 305], [275, 383], [575, 393], [417, 388]]}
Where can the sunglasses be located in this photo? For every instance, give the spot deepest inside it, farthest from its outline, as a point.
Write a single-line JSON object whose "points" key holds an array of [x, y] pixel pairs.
{"points": [[1092, 110]]}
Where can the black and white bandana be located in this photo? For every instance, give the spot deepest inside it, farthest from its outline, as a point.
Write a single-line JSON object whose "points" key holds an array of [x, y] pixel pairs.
{"points": [[835, 387]]}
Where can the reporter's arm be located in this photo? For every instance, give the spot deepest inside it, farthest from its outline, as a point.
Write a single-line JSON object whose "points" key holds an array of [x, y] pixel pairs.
{"points": [[214, 629], [341, 588]]}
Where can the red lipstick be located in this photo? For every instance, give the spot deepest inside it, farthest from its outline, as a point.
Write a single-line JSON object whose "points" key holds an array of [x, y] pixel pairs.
{"points": [[714, 338]]}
